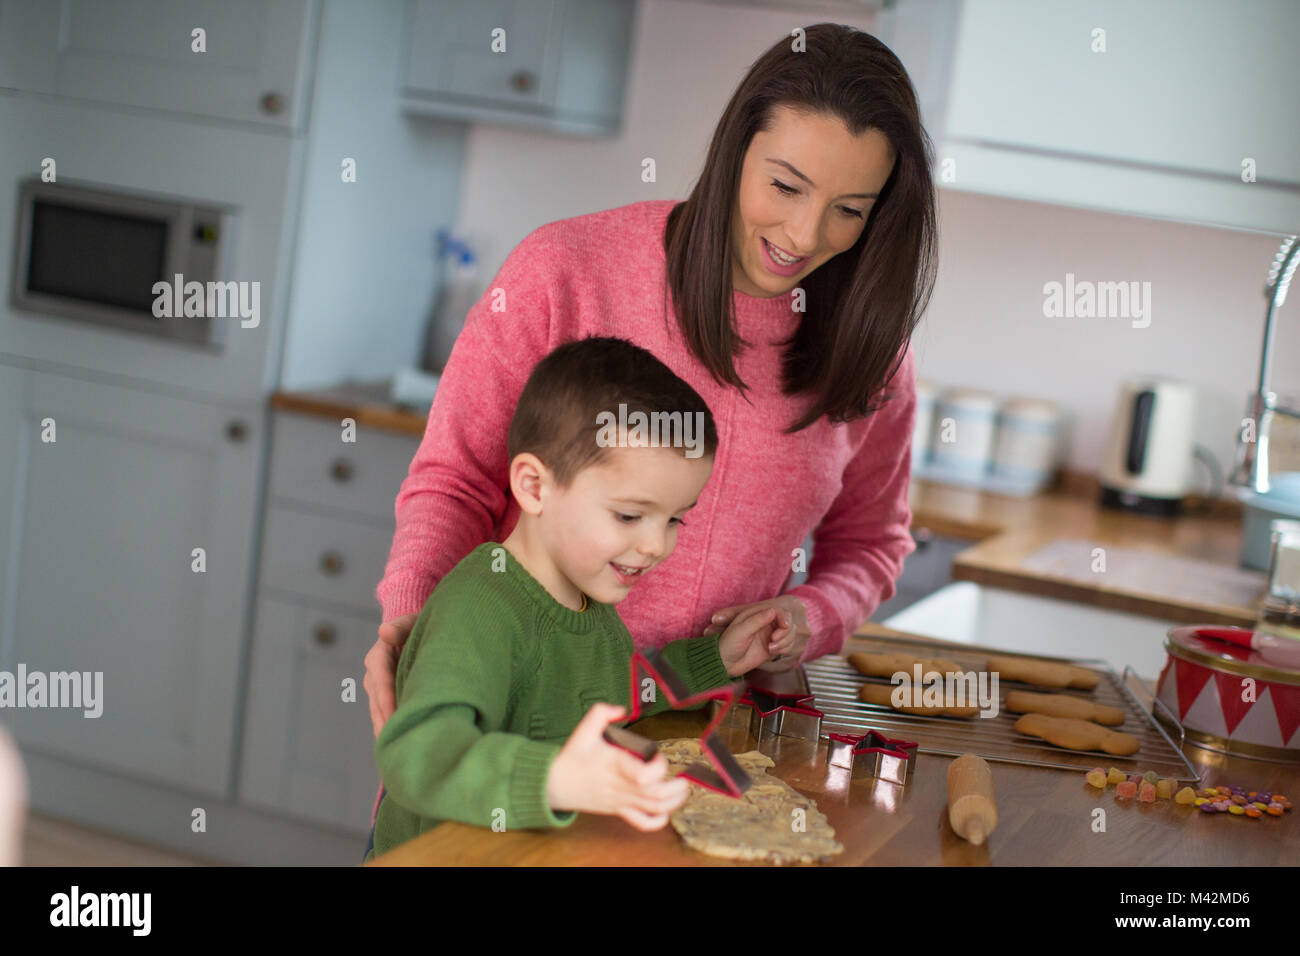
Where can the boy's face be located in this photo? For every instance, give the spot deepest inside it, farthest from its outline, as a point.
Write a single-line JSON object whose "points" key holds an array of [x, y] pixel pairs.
{"points": [[619, 515]]}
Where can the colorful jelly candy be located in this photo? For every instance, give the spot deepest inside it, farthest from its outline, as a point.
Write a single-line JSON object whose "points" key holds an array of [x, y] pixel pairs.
{"points": [[1097, 778], [1164, 788], [1128, 789], [1147, 792], [1185, 795], [1151, 777], [1115, 776]]}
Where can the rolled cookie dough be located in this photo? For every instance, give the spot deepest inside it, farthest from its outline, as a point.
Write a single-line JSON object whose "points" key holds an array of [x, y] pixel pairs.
{"points": [[758, 825]]}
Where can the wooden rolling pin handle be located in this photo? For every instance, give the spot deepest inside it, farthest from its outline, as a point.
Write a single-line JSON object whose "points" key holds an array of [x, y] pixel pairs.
{"points": [[972, 810]]}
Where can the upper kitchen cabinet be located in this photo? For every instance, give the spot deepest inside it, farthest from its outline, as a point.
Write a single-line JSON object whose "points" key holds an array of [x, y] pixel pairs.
{"points": [[1174, 109], [254, 65], [558, 65]]}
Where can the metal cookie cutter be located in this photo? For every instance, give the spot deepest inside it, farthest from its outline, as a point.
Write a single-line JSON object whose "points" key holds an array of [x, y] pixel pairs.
{"points": [[774, 714], [726, 775], [872, 755]]}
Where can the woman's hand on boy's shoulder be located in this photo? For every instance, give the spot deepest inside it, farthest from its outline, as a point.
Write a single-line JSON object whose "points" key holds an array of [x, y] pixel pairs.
{"points": [[381, 668]]}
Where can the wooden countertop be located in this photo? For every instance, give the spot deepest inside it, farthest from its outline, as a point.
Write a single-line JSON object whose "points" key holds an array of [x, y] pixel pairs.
{"points": [[1044, 818], [1004, 531], [1007, 531]]}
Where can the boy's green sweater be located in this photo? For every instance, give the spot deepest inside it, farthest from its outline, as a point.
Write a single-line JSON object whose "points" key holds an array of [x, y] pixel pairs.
{"points": [[494, 677]]}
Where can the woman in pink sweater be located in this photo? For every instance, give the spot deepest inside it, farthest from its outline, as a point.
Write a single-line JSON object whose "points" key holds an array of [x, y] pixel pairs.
{"points": [[785, 290]]}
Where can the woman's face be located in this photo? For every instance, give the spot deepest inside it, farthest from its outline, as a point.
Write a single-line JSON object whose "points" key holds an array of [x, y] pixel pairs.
{"points": [[806, 188]]}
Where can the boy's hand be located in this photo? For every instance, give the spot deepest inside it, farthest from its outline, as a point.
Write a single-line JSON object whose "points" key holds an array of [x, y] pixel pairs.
{"points": [[591, 775], [789, 635], [747, 641]]}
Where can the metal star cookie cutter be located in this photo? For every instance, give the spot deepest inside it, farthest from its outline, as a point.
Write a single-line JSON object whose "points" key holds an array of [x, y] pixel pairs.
{"points": [[774, 714], [872, 755], [726, 776]]}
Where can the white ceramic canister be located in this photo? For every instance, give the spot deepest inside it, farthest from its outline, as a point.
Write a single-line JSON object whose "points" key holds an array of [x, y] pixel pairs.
{"points": [[965, 420], [924, 423], [1028, 440]]}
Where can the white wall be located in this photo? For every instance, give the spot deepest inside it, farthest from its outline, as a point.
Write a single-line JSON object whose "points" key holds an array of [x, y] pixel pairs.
{"points": [[364, 269], [985, 327]]}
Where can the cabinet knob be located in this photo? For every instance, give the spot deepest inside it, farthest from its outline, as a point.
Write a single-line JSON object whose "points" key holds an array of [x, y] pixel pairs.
{"points": [[272, 103], [325, 634], [331, 562], [341, 470], [236, 430], [523, 81]]}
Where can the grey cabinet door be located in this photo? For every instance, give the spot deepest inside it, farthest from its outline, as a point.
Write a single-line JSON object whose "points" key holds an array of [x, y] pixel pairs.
{"points": [[1180, 84], [451, 51], [107, 519], [307, 750], [564, 68], [1173, 109], [13, 442], [254, 67]]}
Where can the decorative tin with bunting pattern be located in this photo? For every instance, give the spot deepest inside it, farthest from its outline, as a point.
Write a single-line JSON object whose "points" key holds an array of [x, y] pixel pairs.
{"points": [[1230, 698]]}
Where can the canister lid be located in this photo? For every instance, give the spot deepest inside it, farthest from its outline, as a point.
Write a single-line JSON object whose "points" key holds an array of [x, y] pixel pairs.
{"points": [[1188, 642], [1031, 409], [970, 398]]}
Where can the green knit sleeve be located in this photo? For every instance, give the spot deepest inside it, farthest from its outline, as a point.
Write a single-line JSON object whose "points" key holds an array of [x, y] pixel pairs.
{"points": [[442, 754], [697, 662]]}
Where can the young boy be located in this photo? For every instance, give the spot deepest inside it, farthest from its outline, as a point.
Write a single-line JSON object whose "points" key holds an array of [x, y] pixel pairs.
{"points": [[519, 660]]}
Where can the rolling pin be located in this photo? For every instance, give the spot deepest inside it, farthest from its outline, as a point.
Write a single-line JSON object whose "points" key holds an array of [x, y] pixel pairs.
{"points": [[971, 809]]}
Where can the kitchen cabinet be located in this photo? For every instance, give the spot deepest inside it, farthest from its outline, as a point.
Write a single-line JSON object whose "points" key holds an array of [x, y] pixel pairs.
{"points": [[329, 525], [563, 68], [104, 522], [1152, 109], [13, 382], [308, 750], [255, 67]]}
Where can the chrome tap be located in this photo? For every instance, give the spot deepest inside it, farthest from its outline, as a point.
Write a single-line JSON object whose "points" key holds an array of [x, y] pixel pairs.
{"points": [[1250, 469]]}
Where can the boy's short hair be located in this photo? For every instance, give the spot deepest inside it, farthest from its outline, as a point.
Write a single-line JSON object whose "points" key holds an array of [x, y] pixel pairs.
{"points": [[557, 417]]}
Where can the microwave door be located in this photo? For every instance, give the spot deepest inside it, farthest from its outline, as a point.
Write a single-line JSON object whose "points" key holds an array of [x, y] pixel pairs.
{"points": [[98, 257]]}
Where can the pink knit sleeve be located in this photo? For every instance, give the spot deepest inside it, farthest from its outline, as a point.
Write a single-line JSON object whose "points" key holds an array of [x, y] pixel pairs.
{"points": [[456, 491], [860, 544]]}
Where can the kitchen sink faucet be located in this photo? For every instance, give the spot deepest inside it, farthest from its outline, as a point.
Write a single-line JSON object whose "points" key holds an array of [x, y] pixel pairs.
{"points": [[1250, 470]]}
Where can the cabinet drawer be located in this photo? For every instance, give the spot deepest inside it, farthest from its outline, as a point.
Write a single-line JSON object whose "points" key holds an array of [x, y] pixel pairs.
{"points": [[308, 747], [311, 463], [331, 559]]}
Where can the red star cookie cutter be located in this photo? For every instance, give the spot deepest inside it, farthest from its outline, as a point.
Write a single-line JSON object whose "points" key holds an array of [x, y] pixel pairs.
{"points": [[872, 754], [726, 776]]}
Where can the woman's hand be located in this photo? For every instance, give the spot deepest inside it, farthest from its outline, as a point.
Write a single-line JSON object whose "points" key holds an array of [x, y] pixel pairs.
{"points": [[789, 637], [591, 775], [381, 668]]}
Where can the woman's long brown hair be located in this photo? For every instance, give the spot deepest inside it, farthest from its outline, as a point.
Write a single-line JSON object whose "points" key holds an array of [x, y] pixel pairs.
{"points": [[861, 305]]}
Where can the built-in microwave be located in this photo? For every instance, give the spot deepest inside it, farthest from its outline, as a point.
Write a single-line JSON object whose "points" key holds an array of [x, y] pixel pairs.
{"points": [[98, 255]]}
